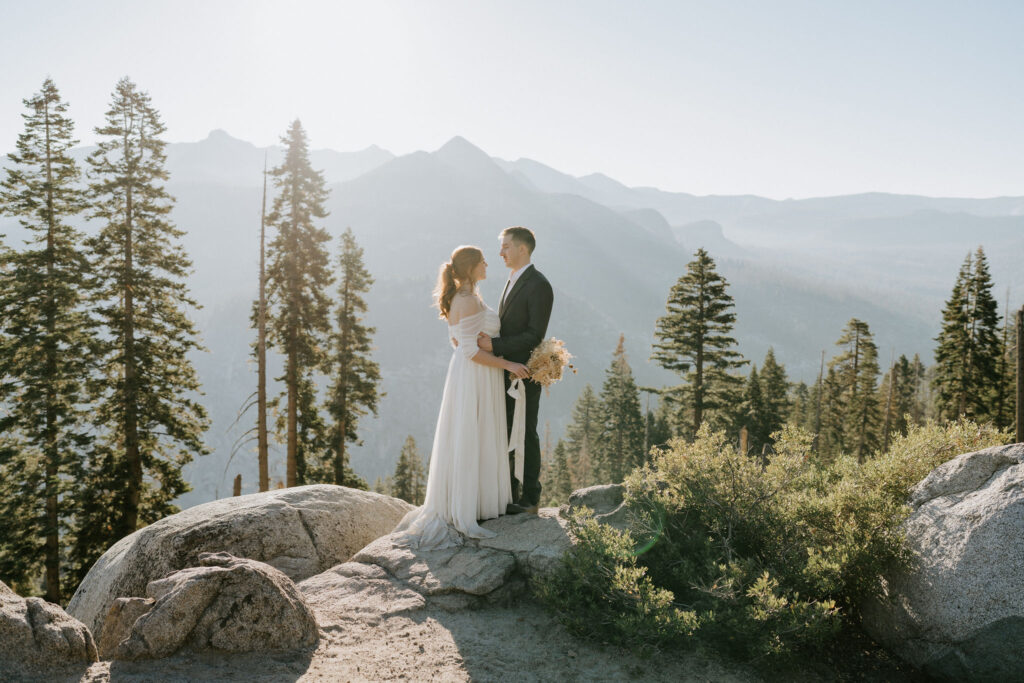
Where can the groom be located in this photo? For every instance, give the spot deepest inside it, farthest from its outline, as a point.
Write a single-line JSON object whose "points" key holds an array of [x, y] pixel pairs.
{"points": [[524, 311]]}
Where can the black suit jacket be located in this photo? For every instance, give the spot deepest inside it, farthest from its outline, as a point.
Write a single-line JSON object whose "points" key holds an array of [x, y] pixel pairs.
{"points": [[524, 316]]}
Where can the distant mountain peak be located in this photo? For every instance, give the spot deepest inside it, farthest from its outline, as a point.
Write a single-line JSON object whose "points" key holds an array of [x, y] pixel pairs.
{"points": [[460, 148]]}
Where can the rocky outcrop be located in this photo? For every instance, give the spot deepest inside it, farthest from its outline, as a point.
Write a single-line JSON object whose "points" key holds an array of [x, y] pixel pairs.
{"points": [[959, 613], [387, 577], [300, 531], [605, 501], [38, 636], [226, 603]]}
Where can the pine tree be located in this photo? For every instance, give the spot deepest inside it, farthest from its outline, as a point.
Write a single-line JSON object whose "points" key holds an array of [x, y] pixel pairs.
{"points": [[260, 320], [581, 438], [354, 390], [918, 392], [558, 485], [694, 340], [1004, 395], [753, 413], [831, 418], [410, 480], [967, 355], [659, 429], [298, 305], [383, 485], [801, 409], [620, 445], [856, 369], [775, 393], [47, 339], [150, 424]]}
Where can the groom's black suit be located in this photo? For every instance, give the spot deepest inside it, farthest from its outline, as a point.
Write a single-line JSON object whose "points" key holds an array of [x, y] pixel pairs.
{"points": [[524, 317]]}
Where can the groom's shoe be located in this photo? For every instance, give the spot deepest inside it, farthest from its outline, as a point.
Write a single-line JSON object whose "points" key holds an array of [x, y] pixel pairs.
{"points": [[514, 509], [530, 509]]}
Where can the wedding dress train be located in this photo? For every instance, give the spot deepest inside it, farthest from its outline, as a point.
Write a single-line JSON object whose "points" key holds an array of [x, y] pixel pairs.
{"points": [[468, 478]]}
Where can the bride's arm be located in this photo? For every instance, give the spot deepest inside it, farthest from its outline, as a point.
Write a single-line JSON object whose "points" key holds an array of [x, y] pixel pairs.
{"points": [[469, 317], [490, 360]]}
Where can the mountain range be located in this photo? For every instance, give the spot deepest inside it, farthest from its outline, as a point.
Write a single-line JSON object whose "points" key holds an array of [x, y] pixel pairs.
{"points": [[797, 269]]}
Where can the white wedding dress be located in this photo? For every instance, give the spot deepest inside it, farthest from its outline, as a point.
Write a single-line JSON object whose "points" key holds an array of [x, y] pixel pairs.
{"points": [[468, 478]]}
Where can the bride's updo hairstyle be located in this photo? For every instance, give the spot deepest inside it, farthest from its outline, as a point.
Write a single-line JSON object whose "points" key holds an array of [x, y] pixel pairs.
{"points": [[457, 272]]}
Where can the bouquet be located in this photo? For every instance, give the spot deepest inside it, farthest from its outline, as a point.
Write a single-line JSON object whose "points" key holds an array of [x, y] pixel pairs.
{"points": [[548, 361]]}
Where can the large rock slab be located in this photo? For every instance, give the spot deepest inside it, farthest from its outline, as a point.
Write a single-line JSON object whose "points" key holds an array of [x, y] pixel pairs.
{"points": [[605, 501], [301, 531], [38, 637], [959, 614], [227, 603], [387, 577]]}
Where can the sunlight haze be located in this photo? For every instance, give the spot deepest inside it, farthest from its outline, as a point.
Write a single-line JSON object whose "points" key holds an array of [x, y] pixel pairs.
{"points": [[786, 99]]}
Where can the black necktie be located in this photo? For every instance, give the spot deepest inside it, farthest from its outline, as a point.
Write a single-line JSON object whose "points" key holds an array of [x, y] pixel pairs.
{"points": [[504, 293]]}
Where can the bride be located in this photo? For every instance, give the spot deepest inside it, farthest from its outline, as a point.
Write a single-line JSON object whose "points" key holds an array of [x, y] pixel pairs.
{"points": [[469, 477]]}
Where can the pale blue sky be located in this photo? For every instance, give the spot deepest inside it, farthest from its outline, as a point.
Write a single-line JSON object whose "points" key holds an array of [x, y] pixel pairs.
{"points": [[777, 98]]}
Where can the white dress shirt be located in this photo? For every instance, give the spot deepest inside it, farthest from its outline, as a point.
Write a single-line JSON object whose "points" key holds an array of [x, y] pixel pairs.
{"points": [[512, 282]]}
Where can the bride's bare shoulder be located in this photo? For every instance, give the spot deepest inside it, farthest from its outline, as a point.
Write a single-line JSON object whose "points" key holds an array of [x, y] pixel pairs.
{"points": [[464, 305]]}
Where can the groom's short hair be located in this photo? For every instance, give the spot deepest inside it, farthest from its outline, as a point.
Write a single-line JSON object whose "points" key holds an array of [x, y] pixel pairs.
{"points": [[522, 235]]}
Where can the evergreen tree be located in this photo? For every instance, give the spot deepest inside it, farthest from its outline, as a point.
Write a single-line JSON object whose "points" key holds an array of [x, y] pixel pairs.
{"points": [[149, 421], [831, 418], [775, 393], [918, 396], [620, 446], [693, 339], [298, 305], [557, 480], [581, 438], [659, 429], [801, 409], [967, 355], [857, 372], [1004, 399], [410, 480], [753, 413], [47, 339], [383, 485], [354, 389]]}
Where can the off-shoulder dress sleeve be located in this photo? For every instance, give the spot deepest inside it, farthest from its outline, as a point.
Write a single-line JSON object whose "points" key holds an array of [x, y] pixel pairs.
{"points": [[470, 323]]}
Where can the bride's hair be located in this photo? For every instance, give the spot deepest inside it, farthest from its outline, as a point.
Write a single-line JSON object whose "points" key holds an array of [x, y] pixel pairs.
{"points": [[457, 272]]}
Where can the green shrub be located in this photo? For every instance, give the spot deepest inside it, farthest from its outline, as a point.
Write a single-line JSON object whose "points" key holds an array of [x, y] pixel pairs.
{"points": [[749, 557]]}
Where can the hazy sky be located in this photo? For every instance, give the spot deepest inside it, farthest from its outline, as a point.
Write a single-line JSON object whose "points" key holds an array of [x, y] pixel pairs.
{"points": [[770, 97]]}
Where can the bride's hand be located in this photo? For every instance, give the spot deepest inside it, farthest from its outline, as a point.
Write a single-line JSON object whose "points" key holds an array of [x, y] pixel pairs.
{"points": [[517, 370]]}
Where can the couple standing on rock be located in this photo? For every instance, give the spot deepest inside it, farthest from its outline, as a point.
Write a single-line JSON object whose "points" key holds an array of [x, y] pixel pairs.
{"points": [[471, 477]]}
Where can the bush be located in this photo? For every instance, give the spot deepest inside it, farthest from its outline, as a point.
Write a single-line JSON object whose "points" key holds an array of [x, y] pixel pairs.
{"points": [[756, 559]]}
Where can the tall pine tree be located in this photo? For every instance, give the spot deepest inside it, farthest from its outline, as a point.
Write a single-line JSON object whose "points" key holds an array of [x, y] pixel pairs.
{"points": [[355, 376], [693, 339], [557, 480], [298, 279], [47, 342], [620, 444], [967, 355], [410, 480], [581, 438], [149, 421], [856, 368], [752, 415], [775, 393]]}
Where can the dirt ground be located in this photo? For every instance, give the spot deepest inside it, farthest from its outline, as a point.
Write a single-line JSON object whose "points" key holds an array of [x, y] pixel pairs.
{"points": [[521, 643]]}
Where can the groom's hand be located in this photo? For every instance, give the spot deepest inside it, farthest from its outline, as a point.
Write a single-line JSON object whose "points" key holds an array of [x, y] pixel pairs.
{"points": [[484, 342]]}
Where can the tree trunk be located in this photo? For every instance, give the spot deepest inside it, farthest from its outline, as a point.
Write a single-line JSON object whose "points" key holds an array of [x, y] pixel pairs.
{"points": [[293, 436], [52, 453], [262, 443], [130, 512]]}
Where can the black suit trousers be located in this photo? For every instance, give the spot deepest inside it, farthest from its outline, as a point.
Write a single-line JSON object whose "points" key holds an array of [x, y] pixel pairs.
{"points": [[526, 492]]}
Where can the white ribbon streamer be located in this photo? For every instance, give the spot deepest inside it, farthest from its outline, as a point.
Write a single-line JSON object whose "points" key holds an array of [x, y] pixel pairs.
{"points": [[517, 439]]}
